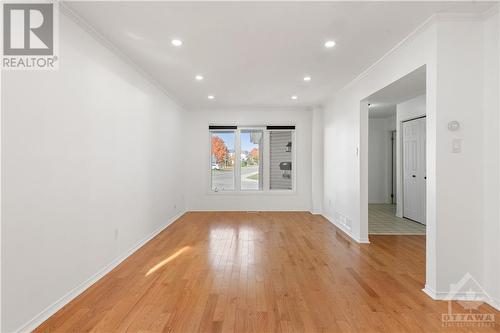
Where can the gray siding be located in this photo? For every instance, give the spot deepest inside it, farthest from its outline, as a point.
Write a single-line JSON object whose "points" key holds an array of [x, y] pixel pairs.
{"points": [[278, 142]]}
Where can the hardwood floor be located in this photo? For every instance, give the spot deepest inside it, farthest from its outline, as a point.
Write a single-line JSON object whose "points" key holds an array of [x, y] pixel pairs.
{"points": [[262, 272]]}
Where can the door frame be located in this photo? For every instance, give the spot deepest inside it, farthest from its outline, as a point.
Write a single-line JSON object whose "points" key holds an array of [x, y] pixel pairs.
{"points": [[394, 176], [402, 177]]}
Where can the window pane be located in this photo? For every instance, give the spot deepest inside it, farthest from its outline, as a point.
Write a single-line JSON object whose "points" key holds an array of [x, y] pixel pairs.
{"points": [[222, 158], [250, 159], [281, 160]]}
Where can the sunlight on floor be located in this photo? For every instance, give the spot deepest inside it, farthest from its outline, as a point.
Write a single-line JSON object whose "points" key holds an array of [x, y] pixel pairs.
{"points": [[169, 259]]}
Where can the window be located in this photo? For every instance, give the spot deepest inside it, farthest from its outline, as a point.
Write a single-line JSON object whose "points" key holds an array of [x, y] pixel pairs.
{"points": [[281, 160], [250, 159], [222, 158]]}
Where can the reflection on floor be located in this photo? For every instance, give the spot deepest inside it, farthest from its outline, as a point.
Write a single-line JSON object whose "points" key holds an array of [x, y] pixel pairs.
{"points": [[382, 220]]}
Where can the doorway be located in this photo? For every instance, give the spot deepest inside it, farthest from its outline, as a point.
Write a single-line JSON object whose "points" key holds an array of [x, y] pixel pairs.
{"points": [[396, 157]]}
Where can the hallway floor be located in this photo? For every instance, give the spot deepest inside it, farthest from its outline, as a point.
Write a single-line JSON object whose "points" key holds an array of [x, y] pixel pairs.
{"points": [[382, 220], [262, 272]]}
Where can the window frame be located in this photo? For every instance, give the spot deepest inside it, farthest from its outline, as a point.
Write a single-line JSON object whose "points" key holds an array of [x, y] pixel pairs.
{"points": [[293, 160], [261, 160], [264, 163], [236, 141]]}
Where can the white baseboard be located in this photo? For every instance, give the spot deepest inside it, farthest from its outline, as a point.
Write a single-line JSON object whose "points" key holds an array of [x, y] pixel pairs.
{"points": [[495, 303], [56, 306], [345, 230], [249, 209], [430, 292], [461, 296]]}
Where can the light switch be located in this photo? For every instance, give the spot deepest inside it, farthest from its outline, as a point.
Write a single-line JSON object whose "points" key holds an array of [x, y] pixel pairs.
{"points": [[456, 146]]}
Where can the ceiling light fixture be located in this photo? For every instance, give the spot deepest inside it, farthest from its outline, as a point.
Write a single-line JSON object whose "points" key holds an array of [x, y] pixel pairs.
{"points": [[198, 77], [307, 78], [211, 97], [176, 42], [329, 44], [294, 97]]}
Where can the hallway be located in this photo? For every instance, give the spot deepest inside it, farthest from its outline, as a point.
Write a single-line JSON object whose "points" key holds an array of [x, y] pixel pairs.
{"points": [[382, 220]]}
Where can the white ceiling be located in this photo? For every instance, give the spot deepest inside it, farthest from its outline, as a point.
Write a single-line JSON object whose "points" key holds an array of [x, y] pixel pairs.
{"points": [[382, 111], [256, 54], [383, 102]]}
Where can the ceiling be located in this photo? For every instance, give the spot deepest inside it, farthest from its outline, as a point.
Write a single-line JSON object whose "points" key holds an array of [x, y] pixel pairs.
{"points": [[383, 102], [382, 111], [257, 53]]}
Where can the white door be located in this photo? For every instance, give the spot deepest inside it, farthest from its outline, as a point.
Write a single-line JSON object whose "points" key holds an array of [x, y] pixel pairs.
{"points": [[394, 166], [423, 172], [414, 176]]}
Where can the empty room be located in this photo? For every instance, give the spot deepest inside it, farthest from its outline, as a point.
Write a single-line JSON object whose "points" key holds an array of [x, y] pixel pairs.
{"points": [[250, 166]]}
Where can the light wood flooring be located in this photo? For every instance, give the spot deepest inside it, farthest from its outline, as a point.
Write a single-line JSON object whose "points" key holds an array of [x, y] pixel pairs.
{"points": [[262, 272]]}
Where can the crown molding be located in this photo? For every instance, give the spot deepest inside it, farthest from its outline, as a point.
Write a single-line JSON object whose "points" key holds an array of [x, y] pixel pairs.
{"points": [[417, 31], [96, 35], [440, 17]]}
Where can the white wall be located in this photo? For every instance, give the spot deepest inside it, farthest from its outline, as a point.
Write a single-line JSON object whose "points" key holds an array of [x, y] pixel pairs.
{"points": [[88, 159], [379, 159], [317, 161], [346, 129], [199, 195], [451, 47], [491, 168], [410, 109], [459, 190]]}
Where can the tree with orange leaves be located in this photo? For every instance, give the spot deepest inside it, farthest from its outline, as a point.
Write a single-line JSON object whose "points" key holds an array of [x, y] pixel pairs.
{"points": [[219, 150], [254, 155]]}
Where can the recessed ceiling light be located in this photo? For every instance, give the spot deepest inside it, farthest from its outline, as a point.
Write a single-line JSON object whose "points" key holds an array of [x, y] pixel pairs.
{"points": [[176, 42], [294, 97], [198, 77], [307, 78], [329, 44], [211, 97]]}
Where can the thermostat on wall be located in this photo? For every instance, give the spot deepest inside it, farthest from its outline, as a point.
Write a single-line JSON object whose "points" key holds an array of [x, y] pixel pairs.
{"points": [[453, 125]]}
